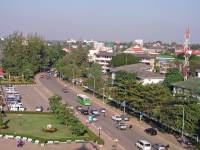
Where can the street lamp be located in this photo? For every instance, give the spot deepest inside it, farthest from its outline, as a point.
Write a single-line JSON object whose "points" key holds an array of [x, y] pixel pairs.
{"points": [[183, 119], [99, 128], [94, 86], [116, 142]]}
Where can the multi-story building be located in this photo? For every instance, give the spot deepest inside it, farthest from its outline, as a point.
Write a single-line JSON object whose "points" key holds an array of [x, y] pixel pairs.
{"points": [[101, 55]]}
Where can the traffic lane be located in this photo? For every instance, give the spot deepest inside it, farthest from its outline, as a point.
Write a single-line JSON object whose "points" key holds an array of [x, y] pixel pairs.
{"points": [[53, 85], [31, 97], [127, 138]]}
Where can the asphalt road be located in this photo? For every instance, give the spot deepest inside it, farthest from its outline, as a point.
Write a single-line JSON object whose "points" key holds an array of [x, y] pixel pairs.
{"points": [[126, 138]]}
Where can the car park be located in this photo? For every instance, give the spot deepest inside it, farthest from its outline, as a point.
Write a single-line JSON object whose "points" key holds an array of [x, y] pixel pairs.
{"points": [[84, 111], [116, 118], [125, 117], [39, 109], [121, 126], [151, 131], [159, 146], [143, 145]]}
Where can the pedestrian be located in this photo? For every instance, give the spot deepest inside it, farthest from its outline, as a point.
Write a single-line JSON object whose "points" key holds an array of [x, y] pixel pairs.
{"points": [[167, 146], [130, 126]]}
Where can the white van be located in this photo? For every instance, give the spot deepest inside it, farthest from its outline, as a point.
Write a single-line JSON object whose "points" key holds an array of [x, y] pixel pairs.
{"points": [[144, 145], [17, 107]]}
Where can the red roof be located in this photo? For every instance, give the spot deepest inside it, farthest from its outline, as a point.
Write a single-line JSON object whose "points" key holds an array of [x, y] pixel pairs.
{"points": [[1, 72], [194, 52]]}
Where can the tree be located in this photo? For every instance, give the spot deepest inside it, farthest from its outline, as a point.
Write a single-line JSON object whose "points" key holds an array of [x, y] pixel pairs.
{"points": [[173, 75], [123, 59], [28, 56]]}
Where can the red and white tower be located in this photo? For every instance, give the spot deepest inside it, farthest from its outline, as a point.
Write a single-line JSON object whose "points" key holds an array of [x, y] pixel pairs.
{"points": [[187, 54]]}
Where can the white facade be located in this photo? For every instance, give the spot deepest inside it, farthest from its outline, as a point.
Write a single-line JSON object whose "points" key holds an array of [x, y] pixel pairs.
{"points": [[151, 80], [101, 55]]}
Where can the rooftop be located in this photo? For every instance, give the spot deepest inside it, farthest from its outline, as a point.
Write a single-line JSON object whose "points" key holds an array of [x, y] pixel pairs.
{"points": [[140, 69], [104, 54], [192, 84]]}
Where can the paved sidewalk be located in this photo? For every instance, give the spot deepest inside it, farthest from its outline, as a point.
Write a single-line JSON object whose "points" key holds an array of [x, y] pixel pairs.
{"points": [[170, 139]]}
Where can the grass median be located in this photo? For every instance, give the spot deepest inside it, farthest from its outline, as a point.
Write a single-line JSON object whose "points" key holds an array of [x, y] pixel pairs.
{"points": [[31, 125]]}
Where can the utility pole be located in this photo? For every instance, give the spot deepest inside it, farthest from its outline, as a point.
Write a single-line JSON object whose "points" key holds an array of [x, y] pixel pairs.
{"points": [[73, 77], [183, 120], [103, 94], [94, 86]]}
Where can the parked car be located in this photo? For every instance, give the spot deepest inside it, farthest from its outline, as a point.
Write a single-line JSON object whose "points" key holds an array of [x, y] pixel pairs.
{"points": [[65, 90], [17, 107], [143, 145], [95, 112], [94, 118], [121, 126], [79, 108], [151, 131], [39, 109], [41, 76], [125, 117], [159, 146], [103, 110], [84, 111], [116, 118]]}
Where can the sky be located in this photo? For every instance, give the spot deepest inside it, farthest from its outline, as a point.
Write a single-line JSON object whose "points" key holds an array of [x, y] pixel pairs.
{"points": [[113, 20]]}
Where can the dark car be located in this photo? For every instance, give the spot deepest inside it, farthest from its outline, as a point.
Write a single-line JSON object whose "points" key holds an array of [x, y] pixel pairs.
{"points": [[65, 90], [159, 146], [121, 126], [84, 111], [79, 108], [125, 117], [95, 112], [151, 131]]}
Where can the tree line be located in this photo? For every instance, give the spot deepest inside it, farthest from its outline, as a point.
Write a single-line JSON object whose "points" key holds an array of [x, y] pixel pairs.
{"points": [[27, 56]]}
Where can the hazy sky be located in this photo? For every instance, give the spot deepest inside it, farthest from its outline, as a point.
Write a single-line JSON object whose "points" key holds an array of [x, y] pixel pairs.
{"points": [[118, 20]]}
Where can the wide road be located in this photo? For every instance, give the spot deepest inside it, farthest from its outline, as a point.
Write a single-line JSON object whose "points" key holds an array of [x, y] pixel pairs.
{"points": [[126, 138]]}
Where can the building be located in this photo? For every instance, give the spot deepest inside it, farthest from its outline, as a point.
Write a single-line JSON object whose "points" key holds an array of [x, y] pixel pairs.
{"points": [[143, 71], [198, 73], [102, 58], [164, 62], [101, 55], [190, 87]]}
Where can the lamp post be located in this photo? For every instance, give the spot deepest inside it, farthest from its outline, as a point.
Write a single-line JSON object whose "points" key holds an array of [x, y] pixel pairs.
{"points": [[99, 128], [116, 142], [183, 119], [94, 86]]}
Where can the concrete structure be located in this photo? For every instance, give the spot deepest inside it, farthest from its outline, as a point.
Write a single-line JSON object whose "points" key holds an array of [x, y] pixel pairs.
{"points": [[190, 88], [102, 58], [101, 55], [143, 71]]}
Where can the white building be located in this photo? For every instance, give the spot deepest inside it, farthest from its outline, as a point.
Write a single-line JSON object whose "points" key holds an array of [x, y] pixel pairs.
{"points": [[143, 71], [101, 55]]}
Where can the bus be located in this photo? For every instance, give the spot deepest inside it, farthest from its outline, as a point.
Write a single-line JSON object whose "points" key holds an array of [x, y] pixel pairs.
{"points": [[83, 99]]}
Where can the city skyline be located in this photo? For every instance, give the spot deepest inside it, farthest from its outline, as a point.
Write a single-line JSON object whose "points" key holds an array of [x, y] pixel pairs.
{"points": [[102, 20]]}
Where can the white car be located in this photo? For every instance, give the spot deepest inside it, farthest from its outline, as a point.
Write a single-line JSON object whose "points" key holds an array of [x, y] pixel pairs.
{"points": [[116, 118], [17, 109], [143, 145]]}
